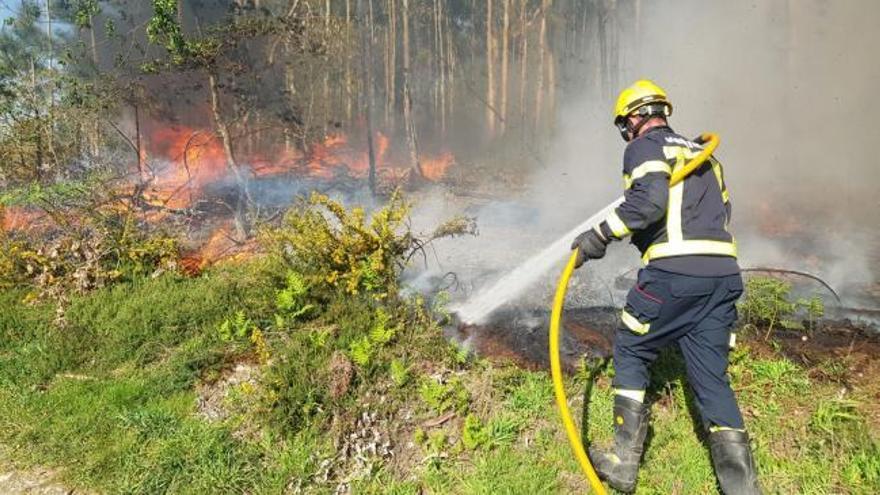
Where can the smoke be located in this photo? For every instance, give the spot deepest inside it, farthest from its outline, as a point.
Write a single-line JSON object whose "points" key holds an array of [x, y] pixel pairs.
{"points": [[790, 88]]}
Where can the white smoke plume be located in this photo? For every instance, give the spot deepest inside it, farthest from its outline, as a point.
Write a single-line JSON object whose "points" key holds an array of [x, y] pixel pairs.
{"points": [[791, 89]]}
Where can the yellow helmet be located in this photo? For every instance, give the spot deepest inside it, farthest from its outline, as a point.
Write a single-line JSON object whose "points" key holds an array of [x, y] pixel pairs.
{"points": [[642, 93]]}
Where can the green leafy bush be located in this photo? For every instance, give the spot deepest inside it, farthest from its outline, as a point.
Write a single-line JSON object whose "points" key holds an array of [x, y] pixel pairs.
{"points": [[434, 444], [399, 372], [768, 302], [337, 248], [814, 309], [501, 429], [474, 433], [296, 385]]}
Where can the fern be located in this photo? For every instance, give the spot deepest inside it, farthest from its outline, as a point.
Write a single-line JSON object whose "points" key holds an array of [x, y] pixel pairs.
{"points": [[381, 333], [291, 300], [399, 372], [361, 351], [235, 327]]}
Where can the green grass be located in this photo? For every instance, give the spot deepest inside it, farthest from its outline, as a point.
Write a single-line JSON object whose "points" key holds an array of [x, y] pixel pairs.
{"points": [[110, 395], [110, 398]]}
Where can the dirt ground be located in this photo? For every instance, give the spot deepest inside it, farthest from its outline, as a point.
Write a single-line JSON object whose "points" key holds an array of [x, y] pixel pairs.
{"points": [[37, 481], [837, 352]]}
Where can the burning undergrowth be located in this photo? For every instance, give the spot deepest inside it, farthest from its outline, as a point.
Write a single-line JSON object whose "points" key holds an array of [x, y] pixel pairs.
{"points": [[188, 202], [190, 164]]}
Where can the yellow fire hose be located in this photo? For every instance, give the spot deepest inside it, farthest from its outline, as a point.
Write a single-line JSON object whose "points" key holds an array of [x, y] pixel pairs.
{"points": [[574, 439]]}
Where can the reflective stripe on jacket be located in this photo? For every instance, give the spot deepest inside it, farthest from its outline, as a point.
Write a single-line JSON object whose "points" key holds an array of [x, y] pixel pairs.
{"points": [[690, 218]]}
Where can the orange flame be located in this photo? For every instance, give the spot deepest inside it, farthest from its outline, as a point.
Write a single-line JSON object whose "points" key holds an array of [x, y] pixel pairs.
{"points": [[435, 168], [221, 245], [186, 160], [192, 159], [19, 218]]}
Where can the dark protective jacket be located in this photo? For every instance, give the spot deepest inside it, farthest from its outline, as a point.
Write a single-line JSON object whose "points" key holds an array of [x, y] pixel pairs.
{"points": [[683, 229]]}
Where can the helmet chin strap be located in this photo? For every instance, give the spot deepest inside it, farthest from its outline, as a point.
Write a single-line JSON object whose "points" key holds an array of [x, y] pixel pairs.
{"points": [[635, 129]]}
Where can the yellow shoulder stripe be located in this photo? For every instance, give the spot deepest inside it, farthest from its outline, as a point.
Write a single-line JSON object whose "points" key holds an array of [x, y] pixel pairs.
{"points": [[644, 169]]}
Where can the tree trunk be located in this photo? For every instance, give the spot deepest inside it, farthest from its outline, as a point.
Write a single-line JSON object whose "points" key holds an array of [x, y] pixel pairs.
{"points": [[391, 67], [523, 65], [348, 79], [242, 197], [412, 137], [137, 141], [94, 42], [444, 67], [490, 73], [551, 89], [49, 31], [38, 135], [435, 59], [601, 19], [371, 30], [50, 94], [367, 75], [95, 133], [542, 56], [505, 39], [450, 69], [290, 90], [326, 86]]}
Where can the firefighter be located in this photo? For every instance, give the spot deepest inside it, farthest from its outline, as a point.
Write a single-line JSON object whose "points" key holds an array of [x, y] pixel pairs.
{"points": [[685, 294]]}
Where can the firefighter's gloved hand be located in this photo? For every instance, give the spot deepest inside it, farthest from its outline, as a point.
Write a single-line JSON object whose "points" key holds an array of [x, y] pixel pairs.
{"points": [[590, 245]]}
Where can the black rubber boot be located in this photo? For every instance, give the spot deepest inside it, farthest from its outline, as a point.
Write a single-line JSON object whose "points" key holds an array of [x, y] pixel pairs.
{"points": [[734, 465], [620, 466]]}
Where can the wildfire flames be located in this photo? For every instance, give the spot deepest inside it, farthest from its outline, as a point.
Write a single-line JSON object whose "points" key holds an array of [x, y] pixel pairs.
{"points": [[180, 163], [190, 159], [18, 218], [183, 161]]}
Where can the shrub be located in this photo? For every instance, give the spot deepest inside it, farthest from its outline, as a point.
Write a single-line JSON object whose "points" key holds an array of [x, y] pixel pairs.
{"points": [[335, 248], [338, 248], [767, 302], [475, 434], [814, 308], [103, 249], [400, 373], [235, 327], [295, 390], [86, 237]]}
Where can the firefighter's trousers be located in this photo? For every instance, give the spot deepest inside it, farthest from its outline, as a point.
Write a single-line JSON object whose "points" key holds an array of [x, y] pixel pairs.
{"points": [[697, 313]]}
